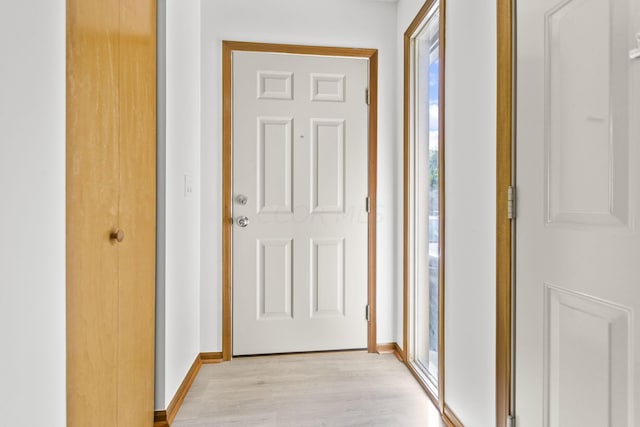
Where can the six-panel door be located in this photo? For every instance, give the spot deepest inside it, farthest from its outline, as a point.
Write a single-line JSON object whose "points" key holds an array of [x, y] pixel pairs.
{"points": [[578, 243], [300, 165]]}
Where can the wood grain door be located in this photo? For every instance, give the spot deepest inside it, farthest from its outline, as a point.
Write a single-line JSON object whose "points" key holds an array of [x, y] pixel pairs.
{"points": [[111, 106]]}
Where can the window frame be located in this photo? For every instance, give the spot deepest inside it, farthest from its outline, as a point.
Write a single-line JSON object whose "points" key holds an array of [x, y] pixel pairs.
{"points": [[411, 35]]}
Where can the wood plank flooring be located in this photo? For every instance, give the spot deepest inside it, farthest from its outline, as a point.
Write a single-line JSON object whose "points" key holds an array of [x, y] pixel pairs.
{"points": [[321, 389]]}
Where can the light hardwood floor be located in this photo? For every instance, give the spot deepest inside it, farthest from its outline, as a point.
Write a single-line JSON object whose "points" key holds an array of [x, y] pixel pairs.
{"points": [[322, 389]]}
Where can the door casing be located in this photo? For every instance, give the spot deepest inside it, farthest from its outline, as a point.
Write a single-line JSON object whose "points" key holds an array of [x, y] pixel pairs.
{"points": [[504, 227], [228, 47]]}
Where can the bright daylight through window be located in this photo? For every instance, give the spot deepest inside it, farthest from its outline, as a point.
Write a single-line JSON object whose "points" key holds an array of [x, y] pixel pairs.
{"points": [[426, 191]]}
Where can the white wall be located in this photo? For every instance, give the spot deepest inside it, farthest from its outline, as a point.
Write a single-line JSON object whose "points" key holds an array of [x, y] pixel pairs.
{"points": [[32, 213], [32, 170], [178, 284], [470, 307], [354, 23], [407, 10], [470, 141], [192, 302]]}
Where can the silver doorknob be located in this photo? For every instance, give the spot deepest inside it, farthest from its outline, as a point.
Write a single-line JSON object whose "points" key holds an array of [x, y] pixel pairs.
{"points": [[242, 221]]}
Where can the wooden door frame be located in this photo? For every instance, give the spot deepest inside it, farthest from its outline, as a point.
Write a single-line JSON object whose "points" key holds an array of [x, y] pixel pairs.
{"points": [[228, 47], [504, 225]]}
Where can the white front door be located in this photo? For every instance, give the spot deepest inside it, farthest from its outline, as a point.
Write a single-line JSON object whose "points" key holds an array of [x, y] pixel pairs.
{"points": [[578, 242], [300, 180]]}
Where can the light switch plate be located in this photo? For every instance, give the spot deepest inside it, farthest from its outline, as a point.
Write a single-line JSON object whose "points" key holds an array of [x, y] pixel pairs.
{"points": [[188, 186]]}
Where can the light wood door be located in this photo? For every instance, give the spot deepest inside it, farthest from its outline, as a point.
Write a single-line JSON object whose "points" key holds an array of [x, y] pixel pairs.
{"points": [[300, 170], [110, 185], [578, 241]]}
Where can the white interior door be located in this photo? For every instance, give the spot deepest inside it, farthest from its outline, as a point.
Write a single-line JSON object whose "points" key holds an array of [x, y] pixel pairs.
{"points": [[578, 243], [300, 162]]}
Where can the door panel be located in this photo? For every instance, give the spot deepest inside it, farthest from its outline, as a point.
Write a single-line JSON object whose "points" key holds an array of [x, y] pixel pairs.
{"points": [[110, 185], [275, 279], [587, 347], [327, 162], [93, 166], [587, 117], [327, 276], [275, 188], [137, 213], [300, 159], [578, 245]]}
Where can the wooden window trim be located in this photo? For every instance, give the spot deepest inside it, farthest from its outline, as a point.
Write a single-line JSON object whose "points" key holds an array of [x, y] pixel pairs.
{"points": [[409, 34], [504, 232], [228, 47]]}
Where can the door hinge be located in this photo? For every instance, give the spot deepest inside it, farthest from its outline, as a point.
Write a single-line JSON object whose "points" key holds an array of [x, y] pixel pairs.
{"points": [[366, 96], [511, 202], [367, 204], [367, 313], [511, 421]]}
